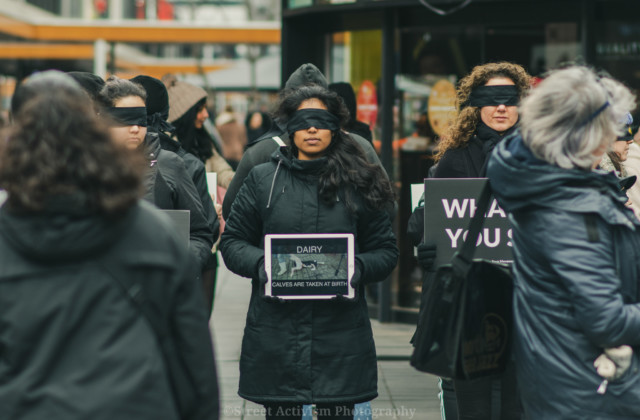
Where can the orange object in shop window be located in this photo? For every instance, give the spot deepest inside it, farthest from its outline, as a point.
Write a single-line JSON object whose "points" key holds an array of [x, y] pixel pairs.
{"points": [[367, 104], [165, 10], [100, 6], [395, 146]]}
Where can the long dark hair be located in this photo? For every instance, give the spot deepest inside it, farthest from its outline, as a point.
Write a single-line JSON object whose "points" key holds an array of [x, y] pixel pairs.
{"points": [[347, 169], [193, 140], [59, 146]]}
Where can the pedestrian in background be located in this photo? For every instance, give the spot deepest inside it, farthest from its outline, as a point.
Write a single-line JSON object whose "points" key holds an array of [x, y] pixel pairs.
{"points": [[576, 247], [188, 114], [257, 124], [311, 352], [632, 167], [487, 99], [345, 90], [73, 343], [167, 183], [233, 134], [613, 161], [157, 104]]}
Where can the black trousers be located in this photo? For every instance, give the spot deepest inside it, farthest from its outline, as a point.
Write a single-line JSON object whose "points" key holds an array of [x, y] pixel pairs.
{"points": [[489, 398], [209, 275], [337, 411], [449, 400]]}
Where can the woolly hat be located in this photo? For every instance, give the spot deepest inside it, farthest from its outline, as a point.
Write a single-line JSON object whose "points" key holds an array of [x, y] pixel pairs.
{"points": [[306, 74], [182, 96], [157, 103], [91, 83], [157, 96], [345, 91]]}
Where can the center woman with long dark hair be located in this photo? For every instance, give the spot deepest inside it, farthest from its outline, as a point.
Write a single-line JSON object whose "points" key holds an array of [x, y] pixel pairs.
{"points": [[311, 351]]}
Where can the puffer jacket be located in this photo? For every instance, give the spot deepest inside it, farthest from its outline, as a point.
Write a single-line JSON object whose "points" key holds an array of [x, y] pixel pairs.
{"points": [[304, 351], [169, 186], [73, 346], [576, 269]]}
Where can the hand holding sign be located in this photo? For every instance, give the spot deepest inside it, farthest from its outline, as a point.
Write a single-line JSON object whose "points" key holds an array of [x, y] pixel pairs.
{"points": [[427, 255], [354, 282], [262, 277]]}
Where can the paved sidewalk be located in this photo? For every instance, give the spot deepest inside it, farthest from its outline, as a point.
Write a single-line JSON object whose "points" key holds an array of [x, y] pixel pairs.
{"points": [[404, 393]]}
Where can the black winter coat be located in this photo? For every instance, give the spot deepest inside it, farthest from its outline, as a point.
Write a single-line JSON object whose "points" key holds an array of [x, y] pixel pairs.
{"points": [[198, 173], [575, 288], [169, 187], [304, 351], [463, 162], [467, 161], [72, 344]]}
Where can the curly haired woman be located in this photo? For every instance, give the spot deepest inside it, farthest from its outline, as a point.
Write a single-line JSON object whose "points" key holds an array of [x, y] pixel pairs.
{"points": [[487, 100]]}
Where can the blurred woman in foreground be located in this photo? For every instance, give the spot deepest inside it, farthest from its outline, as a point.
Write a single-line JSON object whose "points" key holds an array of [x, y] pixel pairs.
{"points": [[576, 248], [80, 256]]}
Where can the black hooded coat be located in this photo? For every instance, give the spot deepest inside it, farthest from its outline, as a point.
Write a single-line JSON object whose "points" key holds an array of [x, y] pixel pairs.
{"points": [[73, 346], [169, 186], [304, 351]]}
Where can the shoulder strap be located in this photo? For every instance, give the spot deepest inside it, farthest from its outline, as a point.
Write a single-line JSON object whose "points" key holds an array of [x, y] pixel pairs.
{"points": [[134, 291], [278, 140], [462, 259], [180, 382]]}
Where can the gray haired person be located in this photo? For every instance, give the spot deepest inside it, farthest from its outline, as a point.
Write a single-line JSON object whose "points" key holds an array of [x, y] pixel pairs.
{"points": [[577, 251]]}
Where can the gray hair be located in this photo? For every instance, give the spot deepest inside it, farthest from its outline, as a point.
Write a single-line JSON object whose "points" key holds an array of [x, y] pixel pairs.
{"points": [[560, 121]]}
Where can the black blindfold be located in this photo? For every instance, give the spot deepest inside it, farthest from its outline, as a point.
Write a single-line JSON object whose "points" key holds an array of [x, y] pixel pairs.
{"points": [[318, 118], [129, 116], [506, 95]]}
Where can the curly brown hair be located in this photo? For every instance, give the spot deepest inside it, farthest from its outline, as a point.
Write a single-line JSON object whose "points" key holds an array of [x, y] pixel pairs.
{"points": [[59, 146], [463, 127]]}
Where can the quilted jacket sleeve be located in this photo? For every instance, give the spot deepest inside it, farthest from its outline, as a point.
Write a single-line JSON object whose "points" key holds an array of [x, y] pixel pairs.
{"points": [[378, 252], [241, 239]]}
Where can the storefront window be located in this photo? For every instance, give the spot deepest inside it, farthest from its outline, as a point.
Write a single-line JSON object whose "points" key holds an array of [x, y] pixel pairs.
{"points": [[294, 4], [335, 1], [618, 51], [356, 58], [440, 51]]}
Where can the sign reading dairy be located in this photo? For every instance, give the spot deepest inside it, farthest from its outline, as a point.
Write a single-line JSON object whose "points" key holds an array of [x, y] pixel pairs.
{"points": [[309, 266], [449, 205]]}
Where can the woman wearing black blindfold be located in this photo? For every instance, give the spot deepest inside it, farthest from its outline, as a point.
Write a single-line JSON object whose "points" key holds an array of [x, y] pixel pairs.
{"points": [[311, 351], [167, 183], [488, 99]]}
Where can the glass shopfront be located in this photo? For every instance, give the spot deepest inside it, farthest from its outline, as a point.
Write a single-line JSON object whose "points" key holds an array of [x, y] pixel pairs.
{"points": [[618, 52], [427, 54]]}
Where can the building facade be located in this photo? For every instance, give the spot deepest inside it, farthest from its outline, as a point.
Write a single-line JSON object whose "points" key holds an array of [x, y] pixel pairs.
{"points": [[409, 49]]}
